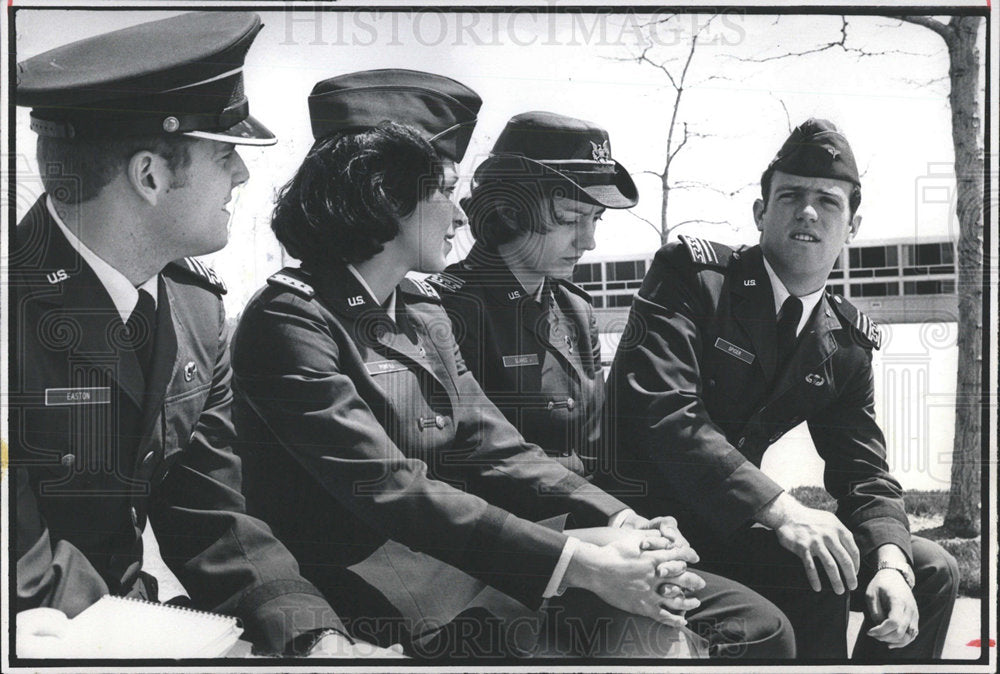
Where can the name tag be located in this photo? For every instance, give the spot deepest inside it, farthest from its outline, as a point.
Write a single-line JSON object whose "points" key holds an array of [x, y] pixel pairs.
{"points": [[520, 361], [734, 350], [94, 395], [384, 366]]}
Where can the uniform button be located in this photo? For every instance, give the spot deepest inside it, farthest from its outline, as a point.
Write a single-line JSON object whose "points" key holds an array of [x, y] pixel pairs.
{"points": [[550, 406], [67, 460], [570, 403], [711, 383], [135, 516], [741, 442], [439, 421], [146, 459], [567, 452]]}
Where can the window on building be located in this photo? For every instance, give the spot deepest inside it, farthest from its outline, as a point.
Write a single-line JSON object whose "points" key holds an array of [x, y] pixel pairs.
{"points": [[875, 289], [620, 300], [598, 301], [929, 258], [931, 287], [587, 273], [627, 270], [836, 288], [871, 261]]}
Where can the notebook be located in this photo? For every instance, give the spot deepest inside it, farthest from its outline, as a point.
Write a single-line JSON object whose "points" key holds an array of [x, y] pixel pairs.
{"points": [[121, 627]]}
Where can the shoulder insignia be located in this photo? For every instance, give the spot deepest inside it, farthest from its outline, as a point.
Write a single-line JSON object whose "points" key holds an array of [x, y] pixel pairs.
{"points": [[703, 251], [420, 287], [202, 272], [575, 289], [866, 328], [294, 280], [447, 281]]}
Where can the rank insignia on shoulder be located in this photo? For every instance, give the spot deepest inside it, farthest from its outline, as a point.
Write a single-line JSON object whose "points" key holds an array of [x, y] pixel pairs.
{"points": [[867, 329], [202, 272], [292, 279], [447, 281], [419, 286], [703, 251]]}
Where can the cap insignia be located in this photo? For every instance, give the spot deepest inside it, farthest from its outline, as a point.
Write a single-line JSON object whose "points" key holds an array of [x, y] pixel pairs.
{"points": [[602, 152]]}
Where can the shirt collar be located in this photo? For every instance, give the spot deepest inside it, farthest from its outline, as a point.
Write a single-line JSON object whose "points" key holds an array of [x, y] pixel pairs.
{"points": [[390, 304], [123, 294], [781, 294]]}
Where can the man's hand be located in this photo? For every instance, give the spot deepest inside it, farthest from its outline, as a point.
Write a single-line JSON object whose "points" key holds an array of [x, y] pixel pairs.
{"points": [[335, 645], [667, 526], [815, 534], [626, 574], [892, 607]]}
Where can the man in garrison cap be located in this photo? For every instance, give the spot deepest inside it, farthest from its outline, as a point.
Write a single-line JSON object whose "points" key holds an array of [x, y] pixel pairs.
{"points": [[727, 350], [120, 375]]}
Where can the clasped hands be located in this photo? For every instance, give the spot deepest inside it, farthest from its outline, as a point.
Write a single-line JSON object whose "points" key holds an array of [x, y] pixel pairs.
{"points": [[641, 568]]}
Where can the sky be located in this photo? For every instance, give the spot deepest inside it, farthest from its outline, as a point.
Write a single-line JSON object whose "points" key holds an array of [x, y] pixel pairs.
{"points": [[892, 105]]}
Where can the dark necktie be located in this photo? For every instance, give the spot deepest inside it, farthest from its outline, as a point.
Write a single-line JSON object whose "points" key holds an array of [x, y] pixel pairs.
{"points": [[141, 331], [788, 323]]}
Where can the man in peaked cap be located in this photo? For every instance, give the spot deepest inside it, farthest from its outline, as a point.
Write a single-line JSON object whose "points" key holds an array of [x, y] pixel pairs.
{"points": [[120, 373], [733, 349]]}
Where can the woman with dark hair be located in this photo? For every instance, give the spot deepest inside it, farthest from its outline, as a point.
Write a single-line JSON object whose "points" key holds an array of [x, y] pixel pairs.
{"points": [[370, 448], [526, 331]]}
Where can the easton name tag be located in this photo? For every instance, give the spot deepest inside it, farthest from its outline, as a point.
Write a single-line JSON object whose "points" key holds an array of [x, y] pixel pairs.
{"points": [[94, 395], [384, 366], [734, 350], [520, 361]]}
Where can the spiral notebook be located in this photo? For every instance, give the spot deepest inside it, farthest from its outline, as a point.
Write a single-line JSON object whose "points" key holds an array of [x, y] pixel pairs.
{"points": [[120, 627]]}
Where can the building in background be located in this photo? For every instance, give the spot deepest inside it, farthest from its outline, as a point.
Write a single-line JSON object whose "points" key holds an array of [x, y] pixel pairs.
{"points": [[901, 280]]}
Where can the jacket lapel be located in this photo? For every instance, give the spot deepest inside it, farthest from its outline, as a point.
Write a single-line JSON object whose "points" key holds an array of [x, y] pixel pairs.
{"points": [[579, 332], [81, 305], [163, 366], [816, 345], [753, 308]]}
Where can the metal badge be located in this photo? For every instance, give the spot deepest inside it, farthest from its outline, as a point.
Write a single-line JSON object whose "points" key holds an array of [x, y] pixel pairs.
{"points": [[733, 350], [520, 360], [190, 370], [815, 379], [93, 395]]}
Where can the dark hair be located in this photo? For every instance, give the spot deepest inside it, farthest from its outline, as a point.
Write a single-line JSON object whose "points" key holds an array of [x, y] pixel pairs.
{"points": [[76, 170], [854, 200], [346, 198], [522, 200]]}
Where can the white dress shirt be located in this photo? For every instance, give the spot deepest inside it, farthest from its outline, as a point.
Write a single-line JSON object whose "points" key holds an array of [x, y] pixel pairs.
{"points": [[122, 292], [781, 294]]}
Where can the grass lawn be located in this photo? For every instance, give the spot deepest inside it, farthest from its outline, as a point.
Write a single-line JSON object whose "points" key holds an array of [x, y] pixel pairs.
{"points": [[926, 511]]}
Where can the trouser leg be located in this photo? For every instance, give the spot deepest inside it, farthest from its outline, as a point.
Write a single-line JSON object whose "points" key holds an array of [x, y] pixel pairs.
{"points": [[936, 587], [738, 622], [754, 558]]}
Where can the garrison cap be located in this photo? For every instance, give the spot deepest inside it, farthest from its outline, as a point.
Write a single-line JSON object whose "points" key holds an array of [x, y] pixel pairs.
{"points": [[442, 110], [182, 75], [574, 153], [816, 149]]}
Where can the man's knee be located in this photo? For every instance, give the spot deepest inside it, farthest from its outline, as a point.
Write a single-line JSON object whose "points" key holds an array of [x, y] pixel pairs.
{"points": [[764, 632], [935, 568]]}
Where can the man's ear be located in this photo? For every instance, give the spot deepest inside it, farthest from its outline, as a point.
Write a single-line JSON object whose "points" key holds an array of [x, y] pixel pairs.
{"points": [[855, 226], [758, 214], [147, 176]]}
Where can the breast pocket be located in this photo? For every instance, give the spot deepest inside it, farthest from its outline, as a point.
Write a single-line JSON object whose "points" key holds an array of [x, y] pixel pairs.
{"points": [[730, 371], [181, 412]]}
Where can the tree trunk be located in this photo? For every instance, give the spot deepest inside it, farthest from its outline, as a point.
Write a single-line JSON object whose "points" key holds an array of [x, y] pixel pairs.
{"points": [[963, 516]]}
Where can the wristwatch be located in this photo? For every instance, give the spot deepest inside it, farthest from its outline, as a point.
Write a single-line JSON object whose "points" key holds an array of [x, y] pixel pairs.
{"points": [[904, 571]]}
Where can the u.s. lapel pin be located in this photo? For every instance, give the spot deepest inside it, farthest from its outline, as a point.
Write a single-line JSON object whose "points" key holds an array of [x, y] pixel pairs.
{"points": [[190, 370], [815, 379]]}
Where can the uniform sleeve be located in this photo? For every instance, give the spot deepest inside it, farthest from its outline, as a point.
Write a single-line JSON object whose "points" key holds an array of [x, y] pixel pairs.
{"points": [[228, 561], [289, 371], [52, 576], [519, 475], [663, 431], [847, 437]]}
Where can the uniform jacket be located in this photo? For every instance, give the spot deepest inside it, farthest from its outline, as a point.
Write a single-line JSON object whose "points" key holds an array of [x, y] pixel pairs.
{"points": [[539, 363], [96, 450], [696, 396], [356, 430]]}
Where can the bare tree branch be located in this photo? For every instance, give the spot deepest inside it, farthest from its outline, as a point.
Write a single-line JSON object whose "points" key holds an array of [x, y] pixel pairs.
{"points": [[944, 30], [788, 118], [653, 173], [840, 43], [639, 217], [699, 185]]}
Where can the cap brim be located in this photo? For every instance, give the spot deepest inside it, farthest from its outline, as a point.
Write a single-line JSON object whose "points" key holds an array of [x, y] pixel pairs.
{"points": [[622, 193], [248, 132]]}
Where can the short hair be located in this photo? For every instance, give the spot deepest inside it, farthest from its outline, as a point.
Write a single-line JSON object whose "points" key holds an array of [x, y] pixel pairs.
{"points": [[76, 170], [345, 200], [854, 199], [523, 200]]}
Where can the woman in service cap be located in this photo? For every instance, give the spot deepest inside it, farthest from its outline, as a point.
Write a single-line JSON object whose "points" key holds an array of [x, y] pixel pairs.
{"points": [[525, 330], [406, 496]]}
